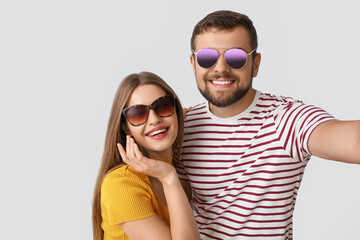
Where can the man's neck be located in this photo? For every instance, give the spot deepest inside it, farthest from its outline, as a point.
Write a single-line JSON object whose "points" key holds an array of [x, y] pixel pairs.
{"points": [[234, 109]]}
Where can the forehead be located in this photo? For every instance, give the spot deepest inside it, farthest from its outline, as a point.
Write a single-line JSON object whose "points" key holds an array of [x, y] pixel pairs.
{"points": [[228, 38], [145, 94]]}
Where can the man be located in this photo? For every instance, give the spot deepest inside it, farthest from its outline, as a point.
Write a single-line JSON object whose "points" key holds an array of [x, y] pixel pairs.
{"points": [[244, 151]]}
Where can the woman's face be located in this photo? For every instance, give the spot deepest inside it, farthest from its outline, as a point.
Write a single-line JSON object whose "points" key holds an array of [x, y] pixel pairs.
{"points": [[157, 134]]}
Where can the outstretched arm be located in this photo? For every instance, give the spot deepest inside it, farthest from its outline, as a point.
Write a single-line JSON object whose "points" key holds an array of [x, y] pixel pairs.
{"points": [[182, 222], [337, 140]]}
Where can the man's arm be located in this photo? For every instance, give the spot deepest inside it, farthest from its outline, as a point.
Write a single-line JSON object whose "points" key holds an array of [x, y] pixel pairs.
{"points": [[337, 140]]}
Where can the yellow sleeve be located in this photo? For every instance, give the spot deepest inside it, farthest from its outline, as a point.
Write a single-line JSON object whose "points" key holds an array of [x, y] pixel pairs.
{"points": [[125, 197]]}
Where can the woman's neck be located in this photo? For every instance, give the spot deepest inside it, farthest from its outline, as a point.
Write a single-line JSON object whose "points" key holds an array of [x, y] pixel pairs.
{"points": [[162, 157]]}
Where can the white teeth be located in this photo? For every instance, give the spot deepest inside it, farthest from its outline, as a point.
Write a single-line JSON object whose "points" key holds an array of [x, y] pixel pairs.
{"points": [[157, 132], [221, 82]]}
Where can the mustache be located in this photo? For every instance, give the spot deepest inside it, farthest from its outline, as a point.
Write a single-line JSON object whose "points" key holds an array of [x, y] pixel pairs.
{"points": [[224, 75]]}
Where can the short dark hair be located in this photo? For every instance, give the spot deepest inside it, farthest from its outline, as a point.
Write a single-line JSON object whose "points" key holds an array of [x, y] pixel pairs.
{"points": [[225, 19]]}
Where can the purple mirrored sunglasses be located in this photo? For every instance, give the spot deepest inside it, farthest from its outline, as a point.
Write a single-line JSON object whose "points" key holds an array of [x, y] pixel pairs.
{"points": [[234, 57]]}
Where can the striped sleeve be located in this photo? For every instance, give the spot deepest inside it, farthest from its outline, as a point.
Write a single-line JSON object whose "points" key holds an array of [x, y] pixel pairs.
{"points": [[179, 166], [295, 121]]}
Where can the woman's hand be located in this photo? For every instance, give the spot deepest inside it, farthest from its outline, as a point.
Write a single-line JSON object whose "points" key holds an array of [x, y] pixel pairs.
{"points": [[182, 222], [154, 168]]}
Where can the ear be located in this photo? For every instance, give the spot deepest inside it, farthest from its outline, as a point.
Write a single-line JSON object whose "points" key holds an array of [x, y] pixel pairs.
{"points": [[193, 62], [256, 65]]}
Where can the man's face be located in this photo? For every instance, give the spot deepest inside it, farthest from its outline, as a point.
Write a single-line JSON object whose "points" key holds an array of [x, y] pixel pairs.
{"points": [[221, 85]]}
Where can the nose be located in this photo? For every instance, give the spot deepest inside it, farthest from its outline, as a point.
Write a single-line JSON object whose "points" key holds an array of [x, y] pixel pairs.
{"points": [[153, 118], [221, 65]]}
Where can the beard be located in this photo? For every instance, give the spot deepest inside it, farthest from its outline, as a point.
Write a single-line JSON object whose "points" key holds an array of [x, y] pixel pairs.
{"points": [[223, 98]]}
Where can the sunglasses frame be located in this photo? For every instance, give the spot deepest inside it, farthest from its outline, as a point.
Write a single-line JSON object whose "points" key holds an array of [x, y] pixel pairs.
{"points": [[148, 107], [219, 54]]}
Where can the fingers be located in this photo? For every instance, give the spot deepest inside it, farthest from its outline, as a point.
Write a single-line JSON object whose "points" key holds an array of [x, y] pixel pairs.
{"points": [[122, 152], [128, 146], [136, 155], [137, 152], [135, 158], [124, 155], [186, 110], [132, 155]]}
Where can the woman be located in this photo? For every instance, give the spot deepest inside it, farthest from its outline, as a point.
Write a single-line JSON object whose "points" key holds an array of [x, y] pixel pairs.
{"points": [[138, 194]]}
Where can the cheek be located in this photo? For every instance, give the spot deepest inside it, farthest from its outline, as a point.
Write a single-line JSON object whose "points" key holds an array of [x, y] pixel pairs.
{"points": [[136, 133], [200, 76], [176, 127], [128, 128], [201, 72]]}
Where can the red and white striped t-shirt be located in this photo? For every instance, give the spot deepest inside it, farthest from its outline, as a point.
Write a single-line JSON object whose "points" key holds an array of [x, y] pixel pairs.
{"points": [[245, 171]]}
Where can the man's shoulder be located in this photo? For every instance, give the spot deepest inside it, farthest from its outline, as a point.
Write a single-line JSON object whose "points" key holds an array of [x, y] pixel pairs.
{"points": [[198, 106], [198, 109], [276, 100]]}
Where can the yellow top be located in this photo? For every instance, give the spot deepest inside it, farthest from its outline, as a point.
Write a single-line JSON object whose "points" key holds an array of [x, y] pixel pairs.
{"points": [[127, 195]]}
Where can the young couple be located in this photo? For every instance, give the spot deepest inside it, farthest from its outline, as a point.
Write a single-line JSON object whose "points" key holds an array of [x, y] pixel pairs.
{"points": [[243, 152]]}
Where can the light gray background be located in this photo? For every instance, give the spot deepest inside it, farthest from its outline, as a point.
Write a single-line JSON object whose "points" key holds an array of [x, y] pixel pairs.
{"points": [[60, 65]]}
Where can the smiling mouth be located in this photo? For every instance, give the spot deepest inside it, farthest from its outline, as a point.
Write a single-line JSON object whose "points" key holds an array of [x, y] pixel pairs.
{"points": [[222, 82], [157, 132]]}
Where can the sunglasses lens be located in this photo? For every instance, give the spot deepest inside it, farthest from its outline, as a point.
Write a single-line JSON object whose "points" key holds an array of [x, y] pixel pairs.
{"points": [[136, 115], [207, 57], [164, 106], [235, 58]]}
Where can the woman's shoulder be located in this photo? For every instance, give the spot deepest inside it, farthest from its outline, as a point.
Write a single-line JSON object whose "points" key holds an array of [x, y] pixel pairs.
{"points": [[122, 177], [125, 196]]}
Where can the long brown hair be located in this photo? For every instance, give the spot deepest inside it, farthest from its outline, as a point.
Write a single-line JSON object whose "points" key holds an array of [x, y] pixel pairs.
{"points": [[115, 134]]}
